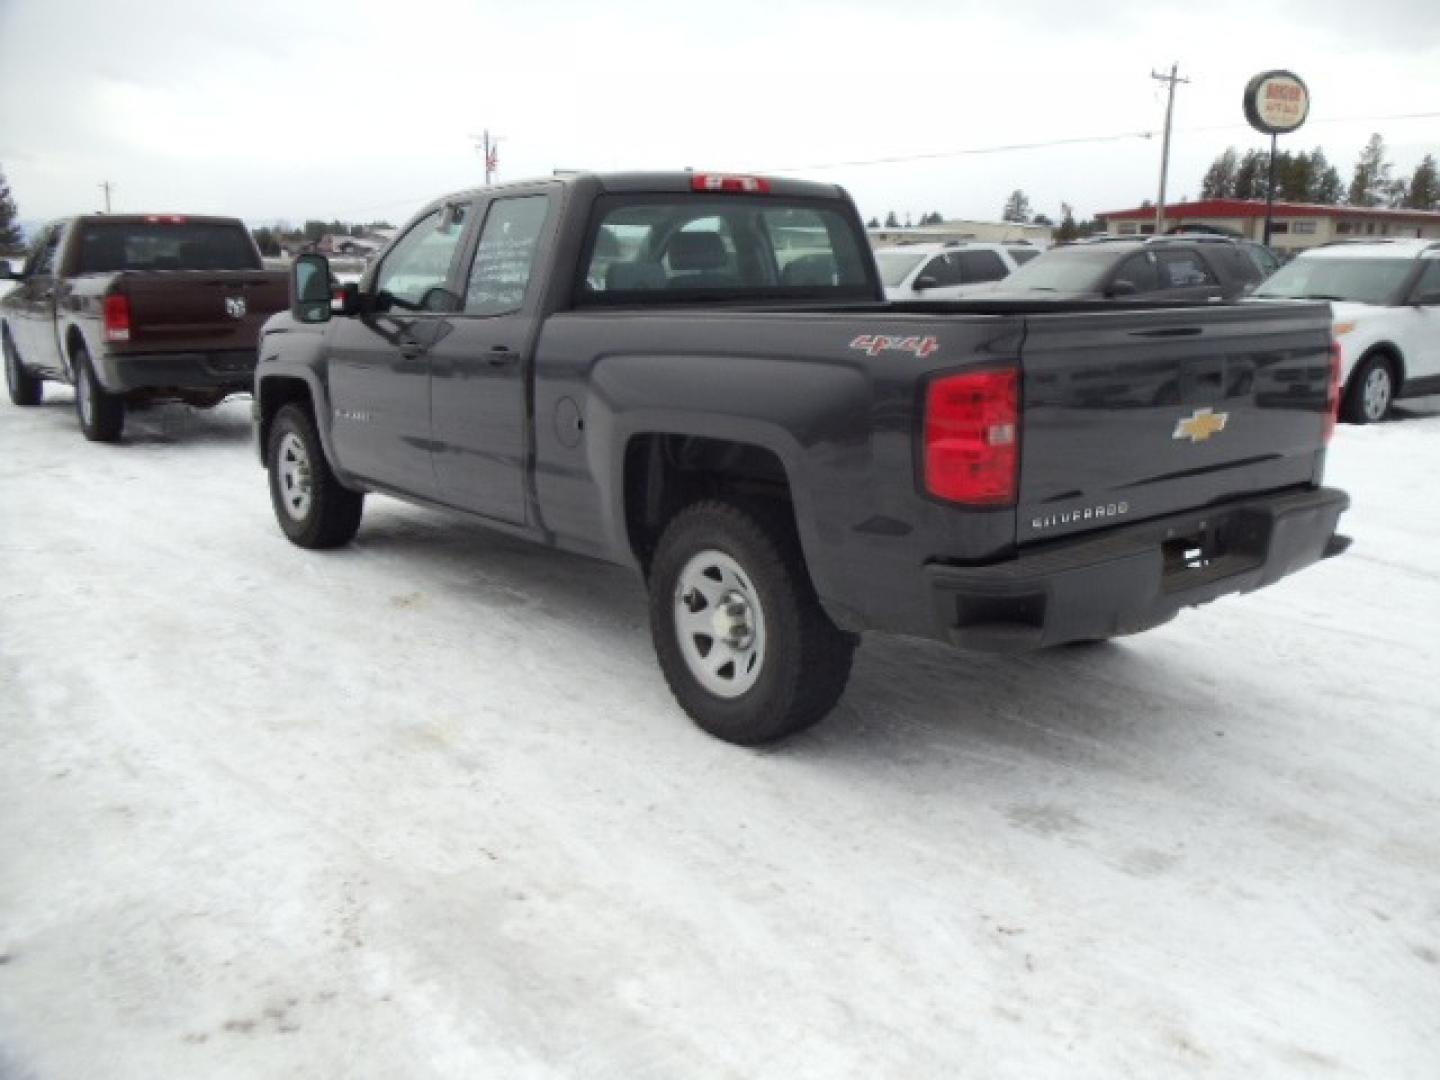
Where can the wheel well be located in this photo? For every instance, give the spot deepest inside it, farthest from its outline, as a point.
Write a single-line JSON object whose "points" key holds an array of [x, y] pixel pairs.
{"points": [[665, 473], [1392, 354], [275, 393], [74, 342]]}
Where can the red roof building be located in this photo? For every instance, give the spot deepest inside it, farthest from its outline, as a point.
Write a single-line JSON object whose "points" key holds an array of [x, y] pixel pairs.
{"points": [[1296, 225]]}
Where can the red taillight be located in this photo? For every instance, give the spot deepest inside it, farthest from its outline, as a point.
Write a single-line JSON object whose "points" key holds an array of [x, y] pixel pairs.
{"points": [[117, 318], [730, 185], [1332, 404], [166, 219], [972, 437]]}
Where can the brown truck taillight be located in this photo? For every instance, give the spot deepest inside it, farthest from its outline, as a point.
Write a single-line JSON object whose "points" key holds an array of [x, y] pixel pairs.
{"points": [[1332, 403], [972, 437], [117, 318]]}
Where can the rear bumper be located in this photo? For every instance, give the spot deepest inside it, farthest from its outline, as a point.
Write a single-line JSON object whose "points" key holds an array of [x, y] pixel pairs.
{"points": [[1132, 578], [230, 369]]}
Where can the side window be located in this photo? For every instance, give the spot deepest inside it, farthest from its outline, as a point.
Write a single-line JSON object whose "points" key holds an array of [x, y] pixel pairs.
{"points": [[416, 270], [1429, 279], [1139, 270], [42, 258], [945, 269], [505, 255], [981, 266], [1183, 270]]}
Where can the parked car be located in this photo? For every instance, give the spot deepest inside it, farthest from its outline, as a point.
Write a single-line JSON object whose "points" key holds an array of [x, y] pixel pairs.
{"points": [[1166, 268], [620, 366], [130, 306], [941, 271], [1385, 295]]}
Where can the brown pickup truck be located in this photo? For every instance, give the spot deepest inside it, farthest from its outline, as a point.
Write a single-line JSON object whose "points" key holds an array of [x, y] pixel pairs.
{"points": [[137, 307]]}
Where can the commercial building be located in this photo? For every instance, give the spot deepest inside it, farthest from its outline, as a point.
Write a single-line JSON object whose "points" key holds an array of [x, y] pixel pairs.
{"points": [[990, 232], [1296, 225]]}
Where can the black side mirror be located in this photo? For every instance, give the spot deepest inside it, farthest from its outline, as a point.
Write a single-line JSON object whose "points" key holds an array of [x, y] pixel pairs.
{"points": [[923, 282], [310, 289], [1121, 287]]}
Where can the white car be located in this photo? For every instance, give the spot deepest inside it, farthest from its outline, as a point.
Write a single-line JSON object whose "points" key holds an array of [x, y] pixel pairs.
{"points": [[1385, 295], [943, 271]]}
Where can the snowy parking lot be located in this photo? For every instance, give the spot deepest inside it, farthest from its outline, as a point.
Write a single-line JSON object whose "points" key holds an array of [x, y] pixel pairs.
{"points": [[423, 807]]}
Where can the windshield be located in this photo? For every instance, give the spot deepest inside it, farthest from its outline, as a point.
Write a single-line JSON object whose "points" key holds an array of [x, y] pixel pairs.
{"points": [[1063, 270], [107, 246], [895, 266], [1363, 281]]}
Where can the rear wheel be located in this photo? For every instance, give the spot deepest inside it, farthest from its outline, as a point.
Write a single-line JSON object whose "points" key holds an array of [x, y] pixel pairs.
{"points": [[1371, 391], [313, 508], [102, 414], [26, 390], [740, 635]]}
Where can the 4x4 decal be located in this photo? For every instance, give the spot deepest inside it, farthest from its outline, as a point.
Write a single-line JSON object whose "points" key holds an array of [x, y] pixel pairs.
{"points": [[875, 344]]}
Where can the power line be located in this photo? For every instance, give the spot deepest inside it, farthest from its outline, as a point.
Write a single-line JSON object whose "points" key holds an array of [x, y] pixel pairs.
{"points": [[935, 155]]}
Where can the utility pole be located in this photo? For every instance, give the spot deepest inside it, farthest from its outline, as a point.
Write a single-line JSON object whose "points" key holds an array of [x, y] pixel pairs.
{"points": [[1171, 79], [490, 149], [105, 186]]}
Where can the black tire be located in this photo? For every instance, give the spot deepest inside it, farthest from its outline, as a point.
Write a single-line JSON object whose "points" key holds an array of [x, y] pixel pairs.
{"points": [[804, 660], [101, 414], [26, 389], [313, 508], [1370, 391]]}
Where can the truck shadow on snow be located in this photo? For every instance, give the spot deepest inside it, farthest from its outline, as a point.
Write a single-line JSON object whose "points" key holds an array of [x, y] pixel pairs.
{"points": [[906, 697], [161, 423]]}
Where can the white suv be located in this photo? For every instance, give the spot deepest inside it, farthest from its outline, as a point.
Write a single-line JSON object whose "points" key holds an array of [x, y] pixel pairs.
{"points": [[942, 271], [1385, 295]]}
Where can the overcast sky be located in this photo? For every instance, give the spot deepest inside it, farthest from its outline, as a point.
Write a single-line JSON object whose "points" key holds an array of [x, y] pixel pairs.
{"points": [[273, 109]]}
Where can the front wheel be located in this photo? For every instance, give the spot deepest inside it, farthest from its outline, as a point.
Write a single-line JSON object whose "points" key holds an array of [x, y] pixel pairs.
{"points": [[1371, 392], [739, 632], [102, 414], [26, 390], [313, 508]]}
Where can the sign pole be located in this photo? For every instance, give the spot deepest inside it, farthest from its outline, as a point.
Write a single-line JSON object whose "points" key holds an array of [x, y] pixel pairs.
{"points": [[1270, 191]]}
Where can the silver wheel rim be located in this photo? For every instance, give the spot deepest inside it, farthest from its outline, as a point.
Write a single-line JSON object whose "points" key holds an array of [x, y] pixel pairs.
{"points": [[1377, 392], [720, 624], [293, 469], [83, 396]]}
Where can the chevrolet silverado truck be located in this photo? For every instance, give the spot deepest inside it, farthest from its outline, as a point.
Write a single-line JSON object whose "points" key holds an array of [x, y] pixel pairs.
{"points": [[699, 376], [129, 308]]}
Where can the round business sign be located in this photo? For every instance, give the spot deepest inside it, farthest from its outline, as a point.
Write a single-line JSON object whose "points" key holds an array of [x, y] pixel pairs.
{"points": [[1276, 102]]}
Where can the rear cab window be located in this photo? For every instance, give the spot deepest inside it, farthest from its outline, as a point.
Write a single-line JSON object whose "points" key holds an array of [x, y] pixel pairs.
{"points": [[674, 248], [164, 244], [981, 266]]}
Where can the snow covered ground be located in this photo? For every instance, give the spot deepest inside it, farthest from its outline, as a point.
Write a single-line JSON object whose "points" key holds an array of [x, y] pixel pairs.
{"points": [[424, 808]]}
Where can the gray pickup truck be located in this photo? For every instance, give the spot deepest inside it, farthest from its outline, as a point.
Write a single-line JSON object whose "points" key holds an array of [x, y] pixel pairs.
{"points": [[136, 307], [698, 376]]}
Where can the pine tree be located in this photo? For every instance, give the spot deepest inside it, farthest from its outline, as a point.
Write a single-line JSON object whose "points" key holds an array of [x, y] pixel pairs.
{"points": [[1068, 230], [1370, 184], [1250, 177], [891, 221], [1423, 191], [11, 238], [873, 223], [1219, 182], [1017, 208], [1327, 187]]}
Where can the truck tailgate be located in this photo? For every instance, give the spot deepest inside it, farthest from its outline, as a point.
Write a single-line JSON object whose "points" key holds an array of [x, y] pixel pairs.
{"points": [[1130, 415], [201, 310]]}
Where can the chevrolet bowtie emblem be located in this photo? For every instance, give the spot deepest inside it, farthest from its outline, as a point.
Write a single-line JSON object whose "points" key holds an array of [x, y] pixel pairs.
{"points": [[1200, 426]]}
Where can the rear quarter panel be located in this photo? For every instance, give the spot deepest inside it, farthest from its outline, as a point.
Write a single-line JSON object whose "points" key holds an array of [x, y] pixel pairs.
{"points": [[842, 422]]}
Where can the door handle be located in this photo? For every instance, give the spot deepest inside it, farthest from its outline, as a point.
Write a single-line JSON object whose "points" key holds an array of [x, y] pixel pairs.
{"points": [[500, 356], [410, 348]]}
